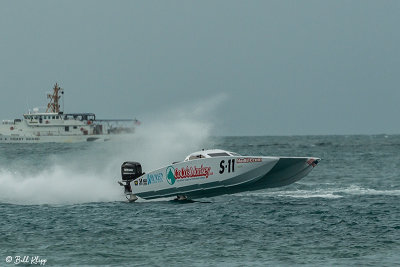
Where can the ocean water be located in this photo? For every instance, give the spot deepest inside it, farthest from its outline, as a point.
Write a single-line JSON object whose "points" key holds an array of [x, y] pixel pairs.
{"points": [[62, 204]]}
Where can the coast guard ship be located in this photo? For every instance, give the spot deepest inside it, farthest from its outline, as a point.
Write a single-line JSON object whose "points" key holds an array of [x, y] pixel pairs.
{"points": [[56, 126]]}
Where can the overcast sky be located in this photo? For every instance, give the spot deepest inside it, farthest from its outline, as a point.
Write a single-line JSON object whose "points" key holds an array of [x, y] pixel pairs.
{"points": [[282, 67]]}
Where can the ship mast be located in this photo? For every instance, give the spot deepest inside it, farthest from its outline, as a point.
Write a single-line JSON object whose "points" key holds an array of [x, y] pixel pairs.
{"points": [[53, 106]]}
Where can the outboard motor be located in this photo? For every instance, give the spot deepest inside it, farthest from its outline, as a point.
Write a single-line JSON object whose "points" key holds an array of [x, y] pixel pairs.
{"points": [[131, 170]]}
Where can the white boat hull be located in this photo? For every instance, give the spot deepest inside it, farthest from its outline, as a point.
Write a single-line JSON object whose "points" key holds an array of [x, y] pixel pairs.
{"points": [[220, 175]]}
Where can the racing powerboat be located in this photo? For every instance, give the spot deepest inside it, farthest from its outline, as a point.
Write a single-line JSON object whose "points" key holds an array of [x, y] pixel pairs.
{"points": [[213, 172]]}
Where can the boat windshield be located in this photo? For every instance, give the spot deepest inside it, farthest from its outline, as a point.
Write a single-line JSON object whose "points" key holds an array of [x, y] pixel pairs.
{"points": [[196, 157], [220, 154]]}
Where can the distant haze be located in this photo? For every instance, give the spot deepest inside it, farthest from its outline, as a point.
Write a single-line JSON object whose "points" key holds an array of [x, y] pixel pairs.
{"points": [[269, 67]]}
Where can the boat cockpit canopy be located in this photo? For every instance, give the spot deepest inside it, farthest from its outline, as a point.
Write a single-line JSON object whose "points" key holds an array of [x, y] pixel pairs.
{"points": [[210, 154]]}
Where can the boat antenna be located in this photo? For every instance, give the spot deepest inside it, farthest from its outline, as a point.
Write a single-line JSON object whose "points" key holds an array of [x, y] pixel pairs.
{"points": [[62, 92], [53, 106], [27, 105]]}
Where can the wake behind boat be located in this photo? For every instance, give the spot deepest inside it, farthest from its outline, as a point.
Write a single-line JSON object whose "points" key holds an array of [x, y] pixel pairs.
{"points": [[214, 172], [54, 125]]}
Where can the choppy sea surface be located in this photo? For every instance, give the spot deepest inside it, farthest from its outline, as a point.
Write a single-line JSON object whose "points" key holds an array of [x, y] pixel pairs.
{"points": [[62, 203]]}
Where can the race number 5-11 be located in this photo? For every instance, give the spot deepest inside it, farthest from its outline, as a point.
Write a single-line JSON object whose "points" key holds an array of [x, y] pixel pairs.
{"points": [[230, 166]]}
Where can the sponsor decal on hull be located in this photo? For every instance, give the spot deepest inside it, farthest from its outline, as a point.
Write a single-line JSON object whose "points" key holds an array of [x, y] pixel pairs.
{"points": [[185, 174], [170, 175], [248, 160], [312, 162], [140, 181], [154, 178]]}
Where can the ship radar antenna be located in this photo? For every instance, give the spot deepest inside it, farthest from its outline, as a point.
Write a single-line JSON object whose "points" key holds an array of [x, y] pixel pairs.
{"points": [[53, 105]]}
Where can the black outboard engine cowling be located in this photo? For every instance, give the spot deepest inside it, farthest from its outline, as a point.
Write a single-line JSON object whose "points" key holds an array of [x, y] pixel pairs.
{"points": [[131, 170]]}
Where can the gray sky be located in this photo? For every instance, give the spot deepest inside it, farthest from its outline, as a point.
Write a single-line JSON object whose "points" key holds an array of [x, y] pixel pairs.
{"points": [[284, 67]]}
